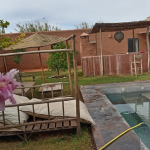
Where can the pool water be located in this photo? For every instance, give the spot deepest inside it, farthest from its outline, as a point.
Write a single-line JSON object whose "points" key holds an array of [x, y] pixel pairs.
{"points": [[135, 108]]}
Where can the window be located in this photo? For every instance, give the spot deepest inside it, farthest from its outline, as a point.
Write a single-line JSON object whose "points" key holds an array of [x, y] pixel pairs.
{"points": [[130, 45]]}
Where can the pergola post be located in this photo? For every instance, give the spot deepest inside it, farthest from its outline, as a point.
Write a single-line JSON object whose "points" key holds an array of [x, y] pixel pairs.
{"points": [[147, 38], [69, 69], [101, 51], [4, 60], [41, 66], [133, 41], [76, 86], [96, 42]]}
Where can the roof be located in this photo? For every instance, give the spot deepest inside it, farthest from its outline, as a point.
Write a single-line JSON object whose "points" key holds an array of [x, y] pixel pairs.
{"points": [[37, 40], [84, 34], [107, 27]]}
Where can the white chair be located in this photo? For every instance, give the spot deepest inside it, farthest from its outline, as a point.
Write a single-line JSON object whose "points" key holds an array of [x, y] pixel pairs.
{"points": [[136, 65]]}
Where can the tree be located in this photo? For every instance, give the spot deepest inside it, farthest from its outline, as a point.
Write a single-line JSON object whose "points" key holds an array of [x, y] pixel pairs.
{"points": [[37, 26], [17, 58], [84, 25], [58, 61], [3, 25], [6, 41]]}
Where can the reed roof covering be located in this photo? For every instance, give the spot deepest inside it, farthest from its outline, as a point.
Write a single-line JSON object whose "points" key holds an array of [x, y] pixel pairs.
{"points": [[108, 27], [37, 40]]}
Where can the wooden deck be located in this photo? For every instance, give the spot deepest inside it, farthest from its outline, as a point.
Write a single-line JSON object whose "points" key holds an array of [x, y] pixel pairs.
{"points": [[41, 127]]}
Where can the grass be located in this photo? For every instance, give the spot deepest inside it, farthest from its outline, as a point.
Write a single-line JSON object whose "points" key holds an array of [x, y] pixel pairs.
{"points": [[85, 80], [58, 140], [63, 140]]}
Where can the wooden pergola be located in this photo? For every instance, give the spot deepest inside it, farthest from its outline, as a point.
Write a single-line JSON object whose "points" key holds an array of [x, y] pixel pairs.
{"points": [[72, 37], [123, 26], [36, 40]]}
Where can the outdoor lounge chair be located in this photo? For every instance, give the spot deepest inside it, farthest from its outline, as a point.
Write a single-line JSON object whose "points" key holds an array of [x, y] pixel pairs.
{"points": [[24, 91]]}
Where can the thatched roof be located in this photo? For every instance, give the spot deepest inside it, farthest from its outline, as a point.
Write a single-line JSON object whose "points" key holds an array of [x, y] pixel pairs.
{"points": [[37, 40], [107, 27]]}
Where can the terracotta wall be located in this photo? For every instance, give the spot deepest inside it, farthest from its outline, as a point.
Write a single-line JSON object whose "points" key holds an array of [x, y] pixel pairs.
{"points": [[118, 64]]}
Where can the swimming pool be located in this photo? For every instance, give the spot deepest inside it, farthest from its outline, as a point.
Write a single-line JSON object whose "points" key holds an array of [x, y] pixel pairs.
{"points": [[135, 108]]}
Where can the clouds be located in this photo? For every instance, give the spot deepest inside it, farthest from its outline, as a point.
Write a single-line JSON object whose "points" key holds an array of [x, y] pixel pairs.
{"points": [[67, 13]]}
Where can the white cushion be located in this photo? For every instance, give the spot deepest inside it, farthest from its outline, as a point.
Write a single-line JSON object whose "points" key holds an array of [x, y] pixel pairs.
{"points": [[11, 113], [41, 110]]}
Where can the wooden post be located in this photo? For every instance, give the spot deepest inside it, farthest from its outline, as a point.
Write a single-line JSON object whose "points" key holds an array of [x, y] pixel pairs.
{"points": [[96, 42], [76, 86], [101, 52], [4, 60], [147, 38], [69, 69], [133, 41], [41, 66]]}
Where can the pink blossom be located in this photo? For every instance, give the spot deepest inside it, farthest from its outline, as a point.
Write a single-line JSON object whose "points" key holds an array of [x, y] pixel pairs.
{"points": [[7, 92]]}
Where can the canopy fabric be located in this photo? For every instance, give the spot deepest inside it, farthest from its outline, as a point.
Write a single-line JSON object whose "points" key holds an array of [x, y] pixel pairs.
{"points": [[107, 27], [37, 40]]}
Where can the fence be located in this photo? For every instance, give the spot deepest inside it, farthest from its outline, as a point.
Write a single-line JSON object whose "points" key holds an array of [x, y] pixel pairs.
{"points": [[117, 64]]}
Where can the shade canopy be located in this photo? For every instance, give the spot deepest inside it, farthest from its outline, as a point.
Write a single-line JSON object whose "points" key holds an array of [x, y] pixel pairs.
{"points": [[37, 40], [107, 27]]}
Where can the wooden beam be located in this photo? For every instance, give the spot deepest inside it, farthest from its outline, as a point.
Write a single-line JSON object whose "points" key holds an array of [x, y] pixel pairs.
{"points": [[46, 100], [148, 50], [76, 86], [101, 48], [36, 52], [4, 60], [41, 66], [133, 41], [69, 69]]}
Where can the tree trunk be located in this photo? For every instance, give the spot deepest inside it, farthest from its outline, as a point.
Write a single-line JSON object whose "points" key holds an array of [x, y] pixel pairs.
{"points": [[57, 71]]}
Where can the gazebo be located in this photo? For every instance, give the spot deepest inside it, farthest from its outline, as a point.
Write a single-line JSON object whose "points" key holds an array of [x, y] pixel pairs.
{"points": [[36, 40], [110, 27]]}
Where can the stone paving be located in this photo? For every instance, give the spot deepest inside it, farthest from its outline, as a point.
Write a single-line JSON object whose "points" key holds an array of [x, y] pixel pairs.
{"points": [[109, 122]]}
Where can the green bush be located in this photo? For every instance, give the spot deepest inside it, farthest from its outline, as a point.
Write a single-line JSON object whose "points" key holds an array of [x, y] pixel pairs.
{"points": [[17, 58], [58, 61]]}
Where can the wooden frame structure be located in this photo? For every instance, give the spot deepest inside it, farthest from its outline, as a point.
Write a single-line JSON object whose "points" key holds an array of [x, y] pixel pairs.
{"points": [[110, 27], [75, 122]]}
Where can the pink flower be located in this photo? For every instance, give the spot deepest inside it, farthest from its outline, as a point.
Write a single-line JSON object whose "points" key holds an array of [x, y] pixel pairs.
{"points": [[7, 92]]}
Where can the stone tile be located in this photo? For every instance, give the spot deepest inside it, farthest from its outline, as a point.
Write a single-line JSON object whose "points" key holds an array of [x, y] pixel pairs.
{"points": [[109, 122]]}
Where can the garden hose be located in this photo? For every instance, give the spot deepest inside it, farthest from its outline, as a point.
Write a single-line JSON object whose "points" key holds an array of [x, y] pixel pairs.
{"points": [[120, 135]]}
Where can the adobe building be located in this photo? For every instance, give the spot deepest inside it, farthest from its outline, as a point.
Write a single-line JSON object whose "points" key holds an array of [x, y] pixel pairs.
{"points": [[117, 57]]}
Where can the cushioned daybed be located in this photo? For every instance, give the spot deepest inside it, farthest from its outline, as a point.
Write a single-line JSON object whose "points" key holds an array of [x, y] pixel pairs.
{"points": [[35, 115]]}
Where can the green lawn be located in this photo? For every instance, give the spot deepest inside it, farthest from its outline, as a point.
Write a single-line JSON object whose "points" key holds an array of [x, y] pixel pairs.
{"points": [[63, 140], [84, 80]]}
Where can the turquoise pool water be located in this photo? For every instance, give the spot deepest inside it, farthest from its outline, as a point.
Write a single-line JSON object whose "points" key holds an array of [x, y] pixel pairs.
{"points": [[135, 108]]}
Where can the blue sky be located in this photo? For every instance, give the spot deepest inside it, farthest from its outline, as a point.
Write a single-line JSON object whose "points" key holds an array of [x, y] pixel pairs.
{"points": [[68, 13]]}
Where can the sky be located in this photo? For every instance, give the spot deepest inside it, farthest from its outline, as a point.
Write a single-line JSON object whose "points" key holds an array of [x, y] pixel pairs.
{"points": [[65, 14]]}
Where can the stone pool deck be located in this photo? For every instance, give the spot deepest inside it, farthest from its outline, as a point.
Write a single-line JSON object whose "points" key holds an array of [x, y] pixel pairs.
{"points": [[109, 122]]}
